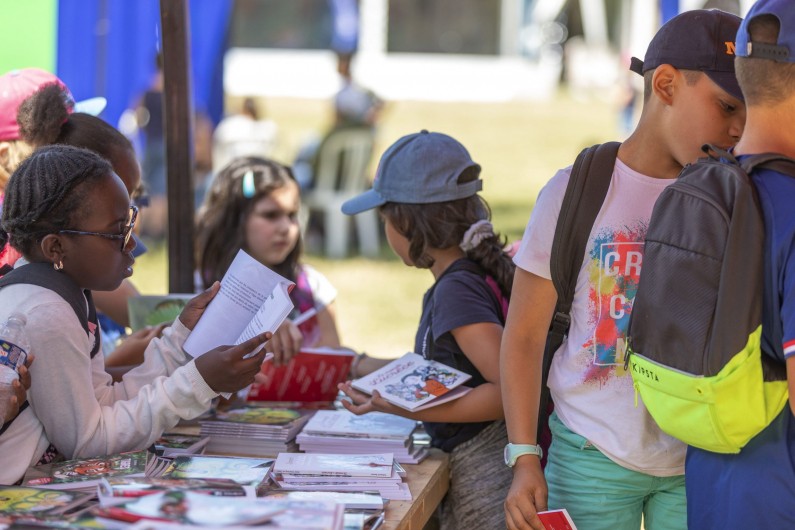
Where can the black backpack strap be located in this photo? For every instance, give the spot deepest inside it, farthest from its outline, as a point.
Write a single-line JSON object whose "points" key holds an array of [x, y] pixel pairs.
{"points": [[588, 184], [774, 161], [43, 275]]}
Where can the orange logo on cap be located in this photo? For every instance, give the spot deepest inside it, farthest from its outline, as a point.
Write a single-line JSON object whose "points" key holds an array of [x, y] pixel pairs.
{"points": [[729, 47]]}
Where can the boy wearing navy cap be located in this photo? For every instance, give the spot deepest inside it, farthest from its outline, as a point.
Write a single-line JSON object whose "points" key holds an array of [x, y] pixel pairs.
{"points": [[756, 488], [609, 464]]}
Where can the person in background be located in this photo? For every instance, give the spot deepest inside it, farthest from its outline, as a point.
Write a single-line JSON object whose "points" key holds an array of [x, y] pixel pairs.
{"points": [[244, 133], [426, 189], [756, 487], [70, 216], [44, 119], [15, 87], [253, 204], [609, 464]]}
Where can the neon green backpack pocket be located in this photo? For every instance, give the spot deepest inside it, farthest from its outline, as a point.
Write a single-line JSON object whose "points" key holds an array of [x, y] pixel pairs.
{"points": [[719, 413]]}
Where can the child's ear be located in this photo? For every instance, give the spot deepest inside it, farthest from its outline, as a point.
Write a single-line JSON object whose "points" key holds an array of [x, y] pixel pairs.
{"points": [[52, 248], [663, 82]]}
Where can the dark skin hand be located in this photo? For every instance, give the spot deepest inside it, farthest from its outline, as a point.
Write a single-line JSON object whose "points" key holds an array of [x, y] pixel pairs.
{"points": [[225, 368]]}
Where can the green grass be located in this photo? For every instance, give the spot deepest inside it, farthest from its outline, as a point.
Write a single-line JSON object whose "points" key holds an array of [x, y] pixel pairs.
{"points": [[519, 146]]}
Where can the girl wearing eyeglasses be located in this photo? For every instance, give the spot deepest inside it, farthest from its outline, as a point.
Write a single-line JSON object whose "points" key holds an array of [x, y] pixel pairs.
{"points": [[69, 216]]}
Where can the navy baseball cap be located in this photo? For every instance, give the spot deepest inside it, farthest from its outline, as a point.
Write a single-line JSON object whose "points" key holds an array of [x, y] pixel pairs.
{"points": [[784, 49], [419, 168], [701, 40]]}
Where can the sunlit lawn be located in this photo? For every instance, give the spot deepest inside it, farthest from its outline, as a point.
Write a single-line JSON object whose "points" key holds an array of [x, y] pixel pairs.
{"points": [[518, 144]]}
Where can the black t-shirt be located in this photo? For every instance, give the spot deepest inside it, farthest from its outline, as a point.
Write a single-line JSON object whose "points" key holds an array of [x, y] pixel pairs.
{"points": [[459, 297]]}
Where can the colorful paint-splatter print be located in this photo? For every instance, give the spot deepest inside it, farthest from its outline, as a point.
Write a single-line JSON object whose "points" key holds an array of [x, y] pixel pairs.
{"points": [[613, 274]]}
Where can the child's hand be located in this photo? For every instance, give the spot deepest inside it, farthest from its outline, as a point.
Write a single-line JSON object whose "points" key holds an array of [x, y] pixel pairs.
{"points": [[362, 403], [194, 309], [285, 343], [20, 387], [225, 368], [131, 350]]}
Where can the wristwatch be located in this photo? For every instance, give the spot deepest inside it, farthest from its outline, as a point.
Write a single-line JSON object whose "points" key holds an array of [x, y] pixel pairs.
{"points": [[514, 451]]}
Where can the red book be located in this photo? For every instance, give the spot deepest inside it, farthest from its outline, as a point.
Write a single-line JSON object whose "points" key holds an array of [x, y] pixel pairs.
{"points": [[557, 520], [312, 375]]}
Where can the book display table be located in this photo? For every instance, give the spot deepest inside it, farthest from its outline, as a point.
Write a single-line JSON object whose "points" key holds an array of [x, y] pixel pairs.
{"points": [[428, 483]]}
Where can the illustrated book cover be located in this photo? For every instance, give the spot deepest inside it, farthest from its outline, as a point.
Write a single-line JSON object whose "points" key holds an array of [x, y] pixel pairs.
{"points": [[24, 500], [86, 473], [311, 375], [414, 383]]}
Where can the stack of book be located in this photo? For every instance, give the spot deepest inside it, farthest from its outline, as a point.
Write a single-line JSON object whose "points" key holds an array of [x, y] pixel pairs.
{"points": [[346, 473], [254, 431], [342, 432]]}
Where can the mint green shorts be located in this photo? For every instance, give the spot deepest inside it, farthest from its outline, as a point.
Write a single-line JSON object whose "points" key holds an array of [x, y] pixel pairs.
{"points": [[600, 494]]}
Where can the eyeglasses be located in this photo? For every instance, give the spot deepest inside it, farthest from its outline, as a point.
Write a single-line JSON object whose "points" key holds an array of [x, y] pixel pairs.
{"points": [[125, 235]]}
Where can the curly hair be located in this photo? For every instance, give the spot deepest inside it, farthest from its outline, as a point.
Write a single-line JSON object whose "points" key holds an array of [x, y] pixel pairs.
{"points": [[442, 225], [47, 193], [221, 220]]}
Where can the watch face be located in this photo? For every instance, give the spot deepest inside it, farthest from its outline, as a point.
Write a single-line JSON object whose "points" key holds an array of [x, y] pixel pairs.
{"points": [[505, 456]]}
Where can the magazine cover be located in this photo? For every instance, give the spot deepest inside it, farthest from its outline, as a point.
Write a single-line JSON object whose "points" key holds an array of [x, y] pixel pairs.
{"points": [[412, 381], [311, 375], [83, 472], [250, 471], [21, 500]]}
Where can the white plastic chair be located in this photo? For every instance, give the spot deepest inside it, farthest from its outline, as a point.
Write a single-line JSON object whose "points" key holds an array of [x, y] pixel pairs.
{"points": [[342, 174]]}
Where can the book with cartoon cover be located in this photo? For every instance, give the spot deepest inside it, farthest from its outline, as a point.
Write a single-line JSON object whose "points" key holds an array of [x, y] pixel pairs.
{"points": [[249, 471], [86, 473], [415, 383], [24, 500]]}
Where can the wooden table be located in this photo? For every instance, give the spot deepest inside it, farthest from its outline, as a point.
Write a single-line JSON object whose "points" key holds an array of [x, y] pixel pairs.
{"points": [[428, 483]]}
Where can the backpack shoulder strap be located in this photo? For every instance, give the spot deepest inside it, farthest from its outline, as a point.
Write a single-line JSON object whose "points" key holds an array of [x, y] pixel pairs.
{"points": [[586, 191], [775, 161], [470, 266], [43, 275]]}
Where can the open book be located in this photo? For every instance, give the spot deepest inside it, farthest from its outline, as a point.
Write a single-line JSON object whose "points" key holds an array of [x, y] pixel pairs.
{"points": [[253, 299], [414, 383]]}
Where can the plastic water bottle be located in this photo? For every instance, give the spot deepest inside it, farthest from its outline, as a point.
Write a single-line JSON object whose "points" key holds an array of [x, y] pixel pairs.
{"points": [[14, 347]]}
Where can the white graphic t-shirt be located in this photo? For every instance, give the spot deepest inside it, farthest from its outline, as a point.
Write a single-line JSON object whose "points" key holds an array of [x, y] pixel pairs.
{"points": [[593, 394]]}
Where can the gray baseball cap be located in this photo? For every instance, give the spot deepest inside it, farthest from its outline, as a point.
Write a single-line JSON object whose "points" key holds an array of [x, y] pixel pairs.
{"points": [[419, 168]]}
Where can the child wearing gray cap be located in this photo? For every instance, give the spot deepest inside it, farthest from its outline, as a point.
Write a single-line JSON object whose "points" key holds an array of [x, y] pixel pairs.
{"points": [[426, 188]]}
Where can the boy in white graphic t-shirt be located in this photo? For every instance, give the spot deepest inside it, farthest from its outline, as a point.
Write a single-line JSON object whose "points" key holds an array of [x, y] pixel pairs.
{"points": [[609, 464]]}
